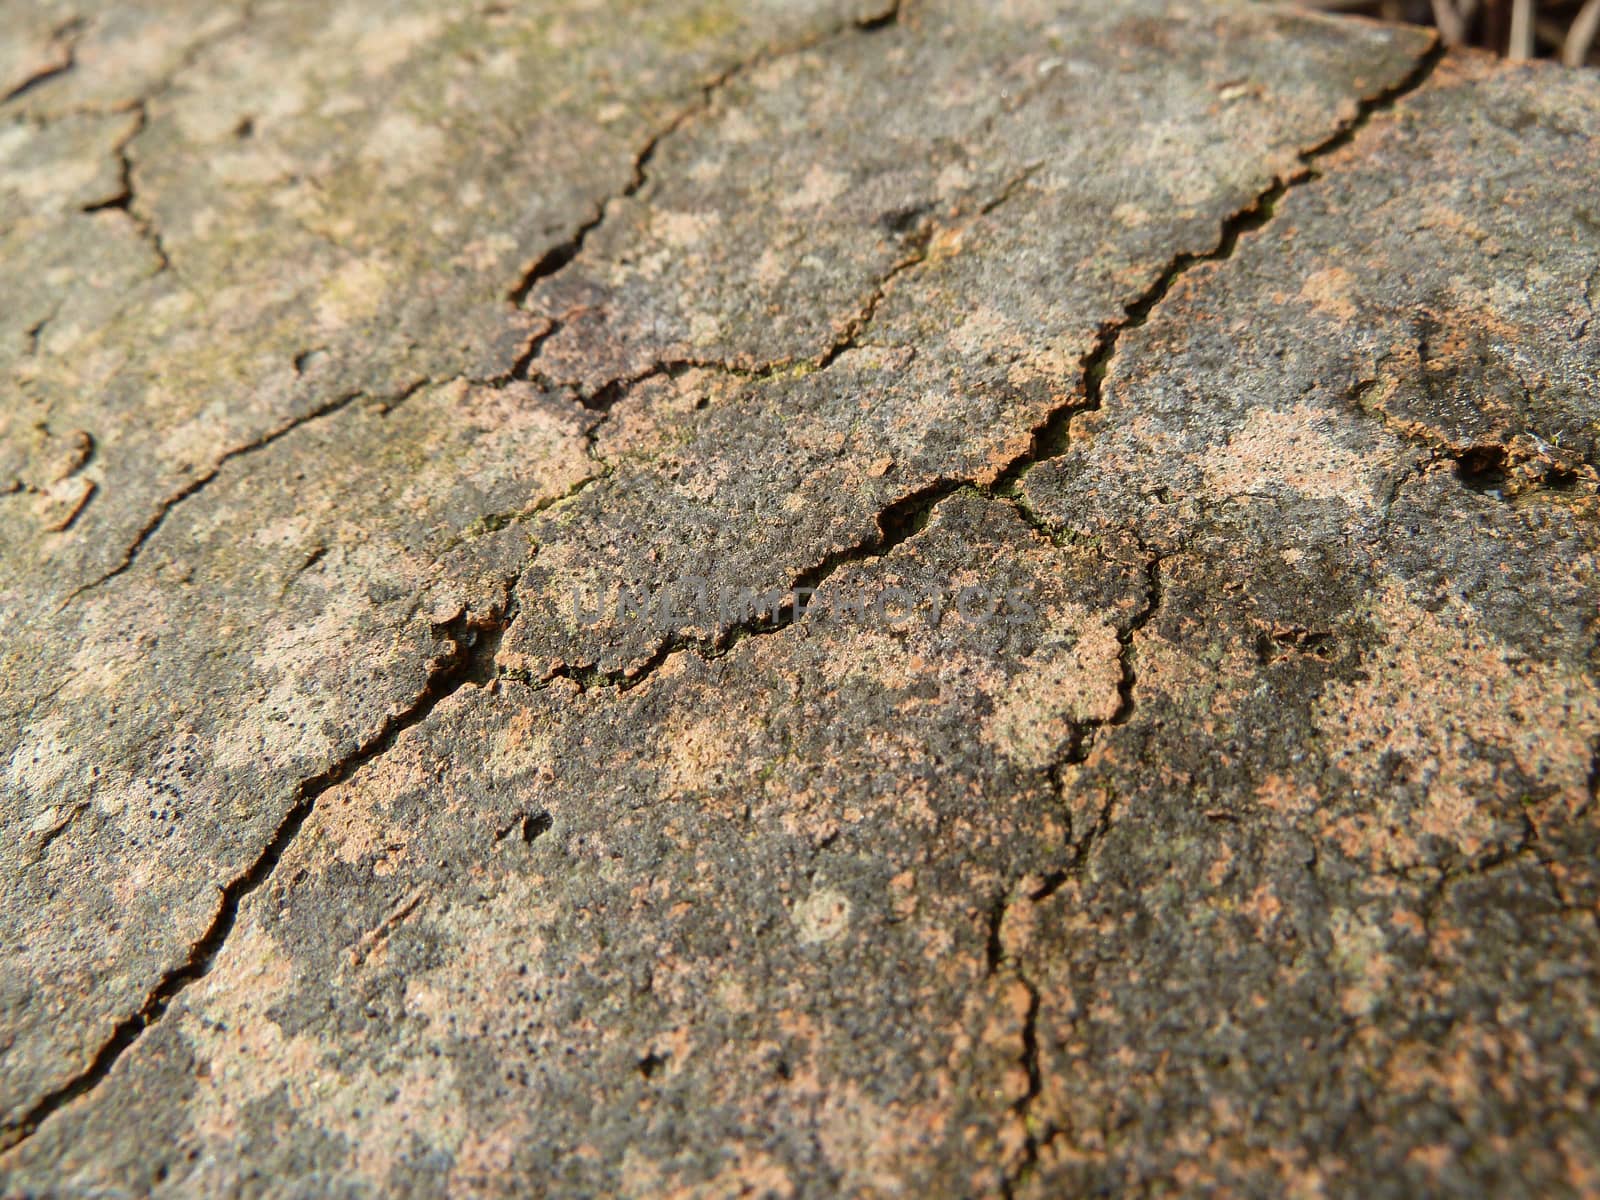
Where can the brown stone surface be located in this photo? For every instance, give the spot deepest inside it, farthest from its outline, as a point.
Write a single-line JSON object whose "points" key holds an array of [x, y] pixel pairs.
{"points": [[1183, 775]]}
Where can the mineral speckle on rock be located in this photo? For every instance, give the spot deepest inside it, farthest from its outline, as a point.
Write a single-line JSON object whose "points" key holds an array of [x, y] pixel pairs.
{"points": [[795, 599]]}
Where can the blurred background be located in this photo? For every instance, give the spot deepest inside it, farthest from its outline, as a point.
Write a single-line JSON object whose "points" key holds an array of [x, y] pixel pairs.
{"points": [[1561, 29]]}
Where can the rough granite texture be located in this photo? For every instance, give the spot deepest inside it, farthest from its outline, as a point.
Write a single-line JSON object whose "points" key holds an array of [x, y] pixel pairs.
{"points": [[1158, 446]]}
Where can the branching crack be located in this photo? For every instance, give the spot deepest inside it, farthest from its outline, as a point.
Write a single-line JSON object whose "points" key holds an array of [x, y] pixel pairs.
{"points": [[473, 642], [1082, 844], [897, 523], [908, 515], [919, 237], [560, 256], [1049, 438]]}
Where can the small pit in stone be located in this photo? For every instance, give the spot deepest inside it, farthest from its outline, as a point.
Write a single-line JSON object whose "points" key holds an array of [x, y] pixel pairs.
{"points": [[651, 1063], [527, 827], [1482, 468]]}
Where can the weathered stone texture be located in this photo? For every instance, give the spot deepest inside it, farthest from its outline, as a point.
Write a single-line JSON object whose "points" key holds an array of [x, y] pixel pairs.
{"points": [[354, 354]]}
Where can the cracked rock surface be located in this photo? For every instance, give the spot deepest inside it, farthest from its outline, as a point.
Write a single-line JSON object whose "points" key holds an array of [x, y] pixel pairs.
{"points": [[1155, 742]]}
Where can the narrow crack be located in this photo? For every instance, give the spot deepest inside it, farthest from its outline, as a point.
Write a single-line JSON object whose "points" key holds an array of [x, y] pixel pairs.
{"points": [[919, 239], [896, 524], [1082, 846], [373, 938], [559, 256], [467, 660], [35, 332], [1052, 435], [1594, 798], [994, 951], [1591, 296], [55, 831], [74, 30], [1530, 844], [125, 201], [850, 335], [199, 483], [1152, 605], [68, 34], [996, 959], [1023, 1106], [495, 522]]}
